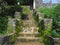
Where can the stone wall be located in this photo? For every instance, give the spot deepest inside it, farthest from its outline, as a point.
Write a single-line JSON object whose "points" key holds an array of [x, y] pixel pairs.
{"points": [[54, 41], [4, 40], [48, 24], [11, 25]]}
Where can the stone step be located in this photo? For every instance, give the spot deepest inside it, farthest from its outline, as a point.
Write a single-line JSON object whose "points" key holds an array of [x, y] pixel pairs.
{"points": [[29, 43], [28, 34], [28, 39], [36, 39], [29, 30]]}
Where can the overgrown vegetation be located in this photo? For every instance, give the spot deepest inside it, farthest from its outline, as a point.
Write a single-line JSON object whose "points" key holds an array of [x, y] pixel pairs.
{"points": [[18, 26], [26, 10], [5, 12], [3, 24], [8, 10], [13, 38], [54, 14]]}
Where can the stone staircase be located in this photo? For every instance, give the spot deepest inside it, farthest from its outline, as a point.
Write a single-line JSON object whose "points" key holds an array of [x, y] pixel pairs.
{"points": [[30, 30], [27, 37]]}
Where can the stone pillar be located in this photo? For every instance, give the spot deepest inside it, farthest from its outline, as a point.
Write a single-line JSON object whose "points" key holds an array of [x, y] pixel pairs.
{"points": [[11, 25], [40, 16], [48, 24], [17, 15]]}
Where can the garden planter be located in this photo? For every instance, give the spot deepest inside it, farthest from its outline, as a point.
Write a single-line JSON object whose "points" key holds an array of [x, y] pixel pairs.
{"points": [[54, 41], [4, 40]]}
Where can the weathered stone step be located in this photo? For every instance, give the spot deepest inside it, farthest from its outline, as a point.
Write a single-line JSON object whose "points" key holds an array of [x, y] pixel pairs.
{"points": [[28, 39], [29, 24], [28, 34], [29, 43], [29, 30]]}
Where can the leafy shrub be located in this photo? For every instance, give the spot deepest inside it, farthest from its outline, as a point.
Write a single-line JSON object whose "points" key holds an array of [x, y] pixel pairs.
{"points": [[18, 8], [11, 2], [35, 17], [48, 12], [9, 11], [18, 26], [39, 23], [57, 17], [53, 13], [26, 10], [3, 24], [13, 38]]}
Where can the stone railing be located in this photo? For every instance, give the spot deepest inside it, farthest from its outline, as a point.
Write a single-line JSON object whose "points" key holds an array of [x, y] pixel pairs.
{"points": [[4, 40], [48, 24], [54, 41]]}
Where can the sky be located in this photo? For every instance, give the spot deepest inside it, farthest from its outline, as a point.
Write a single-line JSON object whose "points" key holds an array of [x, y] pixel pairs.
{"points": [[53, 1]]}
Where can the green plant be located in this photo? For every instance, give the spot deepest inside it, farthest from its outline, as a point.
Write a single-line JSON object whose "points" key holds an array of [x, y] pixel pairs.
{"points": [[48, 12], [11, 2], [9, 10], [13, 38], [18, 8], [57, 17], [3, 24], [54, 13], [35, 17], [26, 10], [55, 34], [18, 26]]}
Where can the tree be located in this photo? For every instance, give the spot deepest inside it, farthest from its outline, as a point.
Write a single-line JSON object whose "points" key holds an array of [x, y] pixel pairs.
{"points": [[11, 2], [48, 12]]}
